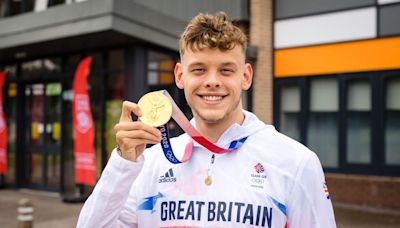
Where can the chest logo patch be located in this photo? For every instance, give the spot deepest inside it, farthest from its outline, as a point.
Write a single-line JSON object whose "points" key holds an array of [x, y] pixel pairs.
{"points": [[258, 176], [167, 177]]}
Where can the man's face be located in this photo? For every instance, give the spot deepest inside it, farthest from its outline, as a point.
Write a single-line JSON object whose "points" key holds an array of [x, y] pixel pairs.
{"points": [[213, 81]]}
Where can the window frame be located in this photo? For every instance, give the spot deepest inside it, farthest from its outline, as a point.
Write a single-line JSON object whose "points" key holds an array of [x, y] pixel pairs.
{"points": [[377, 82], [303, 84], [308, 112], [391, 170], [344, 81]]}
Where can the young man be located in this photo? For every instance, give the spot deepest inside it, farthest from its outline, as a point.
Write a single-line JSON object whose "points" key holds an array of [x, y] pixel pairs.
{"points": [[269, 181]]}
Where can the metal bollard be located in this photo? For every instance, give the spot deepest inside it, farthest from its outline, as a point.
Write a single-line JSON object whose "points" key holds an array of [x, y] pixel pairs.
{"points": [[25, 213]]}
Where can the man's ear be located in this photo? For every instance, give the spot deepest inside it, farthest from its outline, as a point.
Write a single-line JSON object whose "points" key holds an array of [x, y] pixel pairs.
{"points": [[247, 76], [178, 75]]}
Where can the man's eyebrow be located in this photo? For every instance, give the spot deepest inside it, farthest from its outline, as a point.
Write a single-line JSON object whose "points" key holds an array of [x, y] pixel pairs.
{"points": [[196, 64], [229, 64], [224, 64]]}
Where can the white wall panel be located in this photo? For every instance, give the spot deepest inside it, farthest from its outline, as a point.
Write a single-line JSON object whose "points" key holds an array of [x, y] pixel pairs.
{"points": [[387, 1], [326, 28]]}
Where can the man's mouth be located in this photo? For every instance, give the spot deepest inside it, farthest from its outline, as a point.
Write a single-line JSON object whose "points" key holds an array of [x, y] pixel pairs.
{"points": [[212, 98]]}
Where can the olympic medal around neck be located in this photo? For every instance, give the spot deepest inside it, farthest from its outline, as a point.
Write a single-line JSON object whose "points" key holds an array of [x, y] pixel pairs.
{"points": [[156, 109]]}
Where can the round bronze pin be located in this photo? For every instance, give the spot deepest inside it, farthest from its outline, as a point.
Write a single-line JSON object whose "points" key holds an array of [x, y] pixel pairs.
{"points": [[208, 181]]}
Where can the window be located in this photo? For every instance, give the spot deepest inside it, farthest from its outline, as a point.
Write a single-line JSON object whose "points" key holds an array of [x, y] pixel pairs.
{"points": [[351, 121], [71, 64], [115, 89], [358, 112], [160, 69], [96, 94], [392, 124], [116, 59], [10, 102], [322, 132], [116, 76], [11, 71], [290, 111], [37, 68]]}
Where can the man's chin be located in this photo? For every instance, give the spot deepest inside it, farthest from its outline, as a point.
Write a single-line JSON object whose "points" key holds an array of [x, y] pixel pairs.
{"points": [[209, 116], [211, 119]]}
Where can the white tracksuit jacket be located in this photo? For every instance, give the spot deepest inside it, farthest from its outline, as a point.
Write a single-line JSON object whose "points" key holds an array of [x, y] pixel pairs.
{"points": [[271, 181]]}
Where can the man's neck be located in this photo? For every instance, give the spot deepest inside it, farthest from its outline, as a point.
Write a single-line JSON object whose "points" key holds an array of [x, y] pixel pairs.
{"points": [[213, 131]]}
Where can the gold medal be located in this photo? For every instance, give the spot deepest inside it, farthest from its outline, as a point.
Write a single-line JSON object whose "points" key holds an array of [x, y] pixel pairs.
{"points": [[156, 109], [208, 181]]}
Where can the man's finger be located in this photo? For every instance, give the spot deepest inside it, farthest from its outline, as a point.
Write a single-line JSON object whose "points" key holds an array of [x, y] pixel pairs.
{"points": [[137, 125], [137, 136], [128, 108]]}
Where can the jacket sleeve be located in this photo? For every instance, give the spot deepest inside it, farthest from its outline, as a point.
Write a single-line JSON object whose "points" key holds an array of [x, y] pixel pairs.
{"points": [[106, 206], [309, 203]]}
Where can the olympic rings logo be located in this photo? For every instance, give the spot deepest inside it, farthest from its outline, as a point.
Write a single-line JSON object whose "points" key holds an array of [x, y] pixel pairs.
{"points": [[257, 180]]}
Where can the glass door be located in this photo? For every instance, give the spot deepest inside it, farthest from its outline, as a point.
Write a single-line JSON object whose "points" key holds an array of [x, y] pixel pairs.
{"points": [[43, 135]]}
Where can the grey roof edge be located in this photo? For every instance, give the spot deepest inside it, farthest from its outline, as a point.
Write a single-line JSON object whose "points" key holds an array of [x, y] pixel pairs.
{"points": [[55, 23], [149, 17], [61, 14], [147, 24], [76, 19]]}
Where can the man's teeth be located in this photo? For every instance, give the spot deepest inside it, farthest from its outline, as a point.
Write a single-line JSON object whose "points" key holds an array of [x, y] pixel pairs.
{"points": [[212, 98]]}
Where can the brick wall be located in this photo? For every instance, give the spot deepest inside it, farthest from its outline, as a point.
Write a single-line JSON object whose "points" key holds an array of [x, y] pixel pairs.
{"points": [[373, 191], [261, 38]]}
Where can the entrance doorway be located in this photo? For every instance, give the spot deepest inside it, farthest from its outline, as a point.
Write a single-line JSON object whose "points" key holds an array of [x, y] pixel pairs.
{"points": [[42, 136]]}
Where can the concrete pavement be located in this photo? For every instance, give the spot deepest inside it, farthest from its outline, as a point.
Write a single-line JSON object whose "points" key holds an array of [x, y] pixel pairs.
{"points": [[50, 211]]}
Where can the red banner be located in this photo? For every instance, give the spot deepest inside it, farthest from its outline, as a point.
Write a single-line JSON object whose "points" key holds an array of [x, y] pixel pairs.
{"points": [[3, 129], [85, 160]]}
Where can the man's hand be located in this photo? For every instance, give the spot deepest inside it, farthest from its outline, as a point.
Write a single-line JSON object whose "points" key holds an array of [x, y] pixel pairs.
{"points": [[132, 136]]}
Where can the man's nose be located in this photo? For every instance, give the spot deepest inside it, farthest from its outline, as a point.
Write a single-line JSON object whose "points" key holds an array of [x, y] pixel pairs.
{"points": [[213, 80]]}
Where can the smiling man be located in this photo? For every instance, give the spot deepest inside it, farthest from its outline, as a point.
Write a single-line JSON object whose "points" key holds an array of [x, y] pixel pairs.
{"points": [[266, 180], [213, 86]]}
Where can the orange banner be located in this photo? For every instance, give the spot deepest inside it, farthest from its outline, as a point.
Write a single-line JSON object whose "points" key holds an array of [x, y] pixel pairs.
{"points": [[346, 57], [3, 129], [85, 160]]}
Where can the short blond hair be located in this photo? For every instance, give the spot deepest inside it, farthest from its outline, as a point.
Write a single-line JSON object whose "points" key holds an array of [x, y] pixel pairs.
{"points": [[212, 31]]}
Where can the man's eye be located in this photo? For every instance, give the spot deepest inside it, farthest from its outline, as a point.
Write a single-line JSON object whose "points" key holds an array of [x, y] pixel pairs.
{"points": [[198, 70], [227, 71]]}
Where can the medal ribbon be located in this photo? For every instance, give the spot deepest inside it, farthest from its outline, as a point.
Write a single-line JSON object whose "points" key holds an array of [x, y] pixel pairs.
{"points": [[184, 123]]}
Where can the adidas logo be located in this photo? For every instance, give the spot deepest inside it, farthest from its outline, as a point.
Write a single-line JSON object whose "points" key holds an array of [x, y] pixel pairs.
{"points": [[167, 177]]}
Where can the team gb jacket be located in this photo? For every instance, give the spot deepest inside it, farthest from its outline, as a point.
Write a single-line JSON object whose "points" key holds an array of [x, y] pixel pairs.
{"points": [[270, 181]]}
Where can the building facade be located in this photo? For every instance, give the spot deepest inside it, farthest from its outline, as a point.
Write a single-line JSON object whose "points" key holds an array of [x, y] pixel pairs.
{"points": [[336, 89], [134, 47]]}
